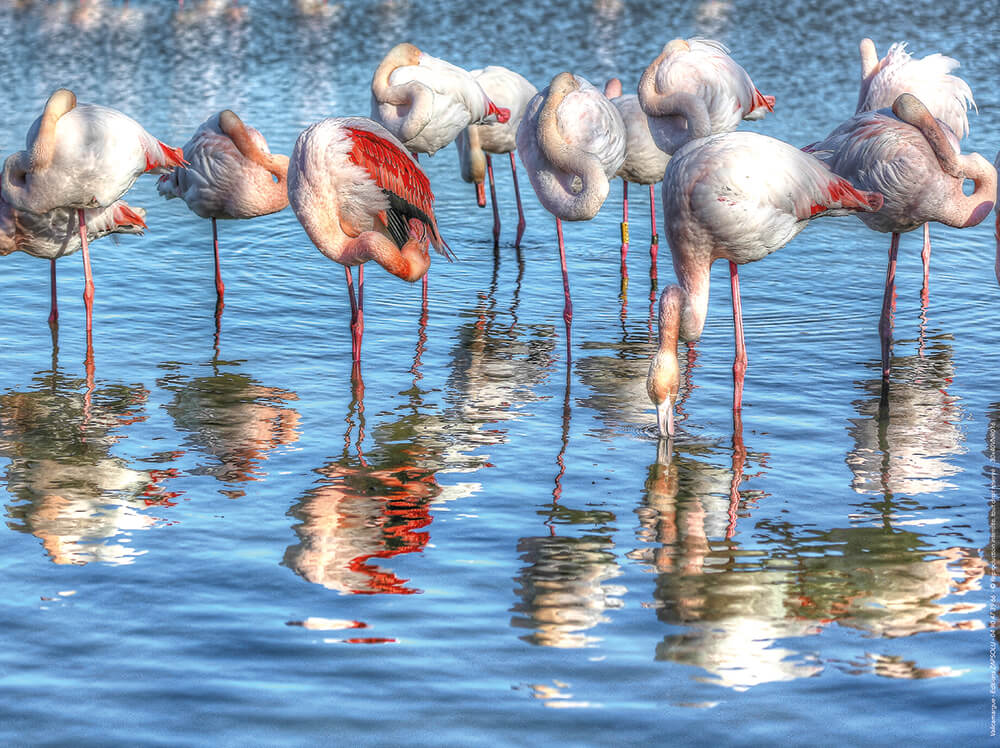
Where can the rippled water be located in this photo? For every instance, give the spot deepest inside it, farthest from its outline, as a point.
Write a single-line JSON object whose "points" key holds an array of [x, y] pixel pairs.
{"points": [[223, 539]]}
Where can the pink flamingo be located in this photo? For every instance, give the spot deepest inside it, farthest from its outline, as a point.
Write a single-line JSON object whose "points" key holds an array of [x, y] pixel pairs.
{"points": [[231, 173], [737, 196], [361, 196], [644, 164], [476, 142], [56, 234], [946, 96], [915, 162], [695, 89], [426, 102], [81, 156], [571, 141]]}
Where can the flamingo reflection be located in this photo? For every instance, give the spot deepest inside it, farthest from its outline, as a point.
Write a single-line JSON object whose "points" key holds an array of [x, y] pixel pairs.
{"points": [[68, 488]]}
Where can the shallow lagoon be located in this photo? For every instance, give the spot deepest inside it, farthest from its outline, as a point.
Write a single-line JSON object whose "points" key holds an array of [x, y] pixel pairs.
{"points": [[223, 539]]}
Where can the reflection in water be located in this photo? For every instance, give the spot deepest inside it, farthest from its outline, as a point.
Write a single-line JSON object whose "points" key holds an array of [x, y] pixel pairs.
{"points": [[904, 442], [561, 585], [736, 603], [230, 417], [68, 489]]}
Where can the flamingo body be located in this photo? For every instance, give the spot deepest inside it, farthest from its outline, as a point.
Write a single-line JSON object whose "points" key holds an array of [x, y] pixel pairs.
{"points": [[947, 96], [426, 102], [509, 90], [220, 180], [694, 89], [89, 157], [571, 146], [644, 161], [56, 234]]}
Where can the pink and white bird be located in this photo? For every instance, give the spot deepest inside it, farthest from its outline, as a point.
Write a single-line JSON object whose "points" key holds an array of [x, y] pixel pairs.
{"points": [[56, 234], [915, 162], [695, 89], [231, 173], [426, 102], [571, 141], [81, 156], [360, 196], [736, 196], [644, 164], [476, 143]]}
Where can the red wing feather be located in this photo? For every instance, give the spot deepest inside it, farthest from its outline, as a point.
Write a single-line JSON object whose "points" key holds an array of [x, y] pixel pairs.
{"points": [[392, 169]]}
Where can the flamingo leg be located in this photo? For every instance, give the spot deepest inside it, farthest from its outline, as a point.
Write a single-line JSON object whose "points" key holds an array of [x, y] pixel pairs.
{"points": [[740, 364], [654, 244], [220, 289], [54, 314], [88, 279], [520, 208], [885, 323], [357, 320], [624, 235], [568, 308], [925, 255], [493, 202]]}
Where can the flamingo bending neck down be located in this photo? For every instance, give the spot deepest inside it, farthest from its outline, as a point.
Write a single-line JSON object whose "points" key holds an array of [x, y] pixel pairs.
{"points": [[946, 96], [81, 156], [694, 89], [915, 162], [644, 164], [571, 141], [737, 196], [231, 173], [361, 196]]}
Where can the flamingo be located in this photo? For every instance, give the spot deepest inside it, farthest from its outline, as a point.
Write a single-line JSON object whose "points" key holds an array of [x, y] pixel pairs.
{"points": [[644, 164], [915, 162], [737, 196], [996, 266], [231, 173], [695, 89], [81, 156], [946, 96], [56, 234], [426, 102], [361, 196], [476, 142], [571, 141]]}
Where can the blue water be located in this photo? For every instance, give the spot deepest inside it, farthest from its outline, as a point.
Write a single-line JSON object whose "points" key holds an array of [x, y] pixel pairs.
{"points": [[224, 540]]}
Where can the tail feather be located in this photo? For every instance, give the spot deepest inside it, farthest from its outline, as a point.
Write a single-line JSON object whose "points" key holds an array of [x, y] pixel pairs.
{"points": [[124, 215], [166, 159]]}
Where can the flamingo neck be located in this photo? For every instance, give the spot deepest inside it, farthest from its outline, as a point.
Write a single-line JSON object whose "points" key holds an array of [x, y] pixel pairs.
{"points": [[60, 102]]}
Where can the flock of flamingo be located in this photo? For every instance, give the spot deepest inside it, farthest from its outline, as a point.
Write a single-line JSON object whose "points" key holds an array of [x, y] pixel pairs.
{"points": [[356, 185]]}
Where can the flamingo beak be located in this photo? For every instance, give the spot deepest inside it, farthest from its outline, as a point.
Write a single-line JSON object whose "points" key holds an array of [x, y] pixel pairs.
{"points": [[665, 417], [481, 194]]}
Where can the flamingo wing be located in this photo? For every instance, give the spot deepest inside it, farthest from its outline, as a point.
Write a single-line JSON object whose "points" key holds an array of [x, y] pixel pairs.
{"points": [[403, 182]]}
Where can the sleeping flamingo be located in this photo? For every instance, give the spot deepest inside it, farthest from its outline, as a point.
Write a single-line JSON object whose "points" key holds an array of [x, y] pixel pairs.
{"points": [[476, 142], [361, 196], [231, 173], [695, 89], [426, 102], [644, 164], [946, 96], [914, 161], [56, 234], [737, 196], [81, 156], [571, 141]]}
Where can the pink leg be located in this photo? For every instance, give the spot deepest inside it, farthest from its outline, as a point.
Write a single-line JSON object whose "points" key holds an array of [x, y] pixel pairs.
{"points": [[423, 291], [925, 255], [357, 320], [88, 280], [568, 308], [493, 202], [220, 289], [740, 364], [654, 244], [624, 270], [54, 314], [520, 209], [885, 323]]}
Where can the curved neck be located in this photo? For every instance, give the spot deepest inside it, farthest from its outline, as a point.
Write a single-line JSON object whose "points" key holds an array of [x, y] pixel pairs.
{"points": [[42, 150], [471, 156], [572, 160], [234, 128], [613, 88], [680, 103], [411, 94]]}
